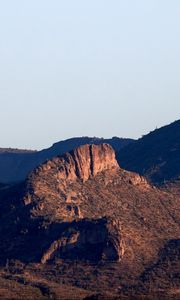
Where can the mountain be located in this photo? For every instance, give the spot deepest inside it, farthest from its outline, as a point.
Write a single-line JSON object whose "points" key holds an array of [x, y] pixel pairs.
{"points": [[81, 227], [16, 164], [156, 155]]}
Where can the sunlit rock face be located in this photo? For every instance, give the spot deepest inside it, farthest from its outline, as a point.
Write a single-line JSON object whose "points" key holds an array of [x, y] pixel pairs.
{"points": [[84, 162], [54, 187]]}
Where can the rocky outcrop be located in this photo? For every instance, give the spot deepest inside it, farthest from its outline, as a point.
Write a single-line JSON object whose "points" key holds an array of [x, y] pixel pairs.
{"points": [[17, 164], [51, 183], [82, 163], [91, 240]]}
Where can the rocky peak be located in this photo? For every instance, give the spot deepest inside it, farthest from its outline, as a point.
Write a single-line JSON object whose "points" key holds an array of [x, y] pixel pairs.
{"points": [[84, 162]]}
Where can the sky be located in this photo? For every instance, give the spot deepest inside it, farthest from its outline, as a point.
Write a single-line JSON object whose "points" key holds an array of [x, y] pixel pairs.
{"points": [[87, 68]]}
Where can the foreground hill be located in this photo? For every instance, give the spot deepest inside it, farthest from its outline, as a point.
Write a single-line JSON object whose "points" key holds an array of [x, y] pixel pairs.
{"points": [[81, 221], [16, 164], [156, 155]]}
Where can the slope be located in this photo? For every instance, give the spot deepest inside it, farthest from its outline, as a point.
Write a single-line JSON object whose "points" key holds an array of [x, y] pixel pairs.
{"points": [[81, 220], [156, 155]]}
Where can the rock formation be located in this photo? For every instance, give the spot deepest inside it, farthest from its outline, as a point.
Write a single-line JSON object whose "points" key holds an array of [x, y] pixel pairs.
{"points": [[82, 163], [83, 212], [17, 164], [87, 239]]}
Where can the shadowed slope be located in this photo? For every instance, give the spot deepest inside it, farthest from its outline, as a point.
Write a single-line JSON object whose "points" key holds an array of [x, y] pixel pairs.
{"points": [[156, 155]]}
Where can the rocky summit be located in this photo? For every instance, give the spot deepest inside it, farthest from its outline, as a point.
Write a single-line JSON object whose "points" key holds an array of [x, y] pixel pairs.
{"points": [[17, 164], [80, 217], [82, 163]]}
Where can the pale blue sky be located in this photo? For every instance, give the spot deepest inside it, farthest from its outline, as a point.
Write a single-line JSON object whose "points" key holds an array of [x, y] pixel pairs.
{"points": [[78, 67]]}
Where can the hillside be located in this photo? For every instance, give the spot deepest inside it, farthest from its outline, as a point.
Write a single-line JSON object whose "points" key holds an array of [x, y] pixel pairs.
{"points": [[16, 164], [156, 155], [81, 221]]}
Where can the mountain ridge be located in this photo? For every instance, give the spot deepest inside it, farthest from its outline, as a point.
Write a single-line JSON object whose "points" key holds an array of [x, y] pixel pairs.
{"points": [[156, 155]]}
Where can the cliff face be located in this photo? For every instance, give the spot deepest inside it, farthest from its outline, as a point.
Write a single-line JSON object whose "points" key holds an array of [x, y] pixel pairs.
{"points": [[82, 163], [17, 164], [94, 240], [58, 187]]}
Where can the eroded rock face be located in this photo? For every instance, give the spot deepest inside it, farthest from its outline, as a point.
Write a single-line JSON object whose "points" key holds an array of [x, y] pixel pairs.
{"points": [[50, 184], [84, 162], [94, 240], [64, 187]]}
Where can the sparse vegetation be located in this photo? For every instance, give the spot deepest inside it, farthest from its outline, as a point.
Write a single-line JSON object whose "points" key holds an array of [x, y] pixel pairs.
{"points": [[78, 230]]}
